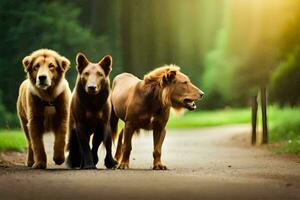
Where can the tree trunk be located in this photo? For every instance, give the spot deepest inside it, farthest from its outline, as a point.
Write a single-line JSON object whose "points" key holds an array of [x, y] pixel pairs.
{"points": [[254, 118], [264, 114], [126, 27]]}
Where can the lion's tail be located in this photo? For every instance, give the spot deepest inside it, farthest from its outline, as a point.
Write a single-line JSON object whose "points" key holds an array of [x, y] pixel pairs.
{"points": [[74, 157], [114, 124]]}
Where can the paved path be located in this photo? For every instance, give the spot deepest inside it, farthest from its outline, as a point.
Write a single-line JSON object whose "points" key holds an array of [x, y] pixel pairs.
{"points": [[207, 163]]}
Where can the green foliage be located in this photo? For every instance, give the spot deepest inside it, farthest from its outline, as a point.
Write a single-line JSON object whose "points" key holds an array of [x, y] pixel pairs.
{"points": [[229, 54], [245, 53], [285, 82], [7, 119], [30, 25], [12, 140], [215, 66]]}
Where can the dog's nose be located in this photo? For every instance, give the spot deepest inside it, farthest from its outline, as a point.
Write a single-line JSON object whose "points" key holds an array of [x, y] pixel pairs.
{"points": [[201, 94], [42, 78], [92, 88]]}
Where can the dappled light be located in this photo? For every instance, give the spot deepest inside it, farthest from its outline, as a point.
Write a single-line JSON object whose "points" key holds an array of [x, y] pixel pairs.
{"points": [[150, 99]]}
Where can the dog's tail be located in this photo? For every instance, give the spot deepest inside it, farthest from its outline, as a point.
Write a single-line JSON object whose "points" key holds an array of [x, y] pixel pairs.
{"points": [[74, 157], [114, 124]]}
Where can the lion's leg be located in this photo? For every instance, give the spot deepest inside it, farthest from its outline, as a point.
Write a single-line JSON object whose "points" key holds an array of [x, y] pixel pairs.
{"points": [[30, 160], [158, 138], [118, 155], [109, 160], [36, 130], [126, 147], [60, 141]]}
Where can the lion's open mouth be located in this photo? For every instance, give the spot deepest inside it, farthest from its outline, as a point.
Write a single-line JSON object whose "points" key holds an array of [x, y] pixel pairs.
{"points": [[189, 104]]}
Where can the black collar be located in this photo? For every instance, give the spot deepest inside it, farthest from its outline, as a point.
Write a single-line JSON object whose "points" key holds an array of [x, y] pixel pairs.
{"points": [[44, 102], [48, 103]]}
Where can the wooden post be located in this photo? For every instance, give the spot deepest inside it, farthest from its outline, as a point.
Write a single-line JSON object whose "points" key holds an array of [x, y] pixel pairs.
{"points": [[254, 118], [264, 114]]}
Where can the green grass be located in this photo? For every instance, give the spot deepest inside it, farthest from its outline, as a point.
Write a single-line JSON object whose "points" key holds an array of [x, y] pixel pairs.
{"points": [[292, 146], [12, 140], [284, 126], [283, 123], [209, 118]]}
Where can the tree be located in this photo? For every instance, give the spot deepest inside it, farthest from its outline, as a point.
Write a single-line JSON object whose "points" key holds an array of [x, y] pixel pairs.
{"points": [[285, 81], [30, 25]]}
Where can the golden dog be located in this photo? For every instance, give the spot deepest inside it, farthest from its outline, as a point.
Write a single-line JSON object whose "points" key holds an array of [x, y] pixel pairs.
{"points": [[43, 104]]}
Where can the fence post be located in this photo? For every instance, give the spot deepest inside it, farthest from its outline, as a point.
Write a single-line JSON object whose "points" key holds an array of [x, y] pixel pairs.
{"points": [[264, 114], [254, 118]]}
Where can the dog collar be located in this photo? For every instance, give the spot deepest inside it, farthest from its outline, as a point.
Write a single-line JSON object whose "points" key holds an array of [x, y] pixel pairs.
{"points": [[48, 103]]}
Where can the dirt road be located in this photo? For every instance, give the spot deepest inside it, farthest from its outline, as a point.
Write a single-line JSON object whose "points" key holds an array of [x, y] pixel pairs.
{"points": [[208, 163]]}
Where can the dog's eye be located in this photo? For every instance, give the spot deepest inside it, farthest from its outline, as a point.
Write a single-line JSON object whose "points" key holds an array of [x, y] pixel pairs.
{"points": [[36, 67], [184, 82], [85, 74], [99, 74], [51, 66]]}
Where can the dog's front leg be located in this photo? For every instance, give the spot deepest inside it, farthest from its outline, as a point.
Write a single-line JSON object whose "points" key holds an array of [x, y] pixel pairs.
{"points": [[61, 127], [86, 153], [36, 130], [158, 139], [60, 139], [97, 139]]}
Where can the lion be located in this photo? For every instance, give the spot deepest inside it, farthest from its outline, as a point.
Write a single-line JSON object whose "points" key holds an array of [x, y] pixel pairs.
{"points": [[43, 104], [90, 113], [145, 104]]}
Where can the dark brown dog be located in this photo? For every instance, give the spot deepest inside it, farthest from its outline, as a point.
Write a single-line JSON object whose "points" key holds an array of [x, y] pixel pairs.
{"points": [[43, 104], [89, 114], [145, 104]]}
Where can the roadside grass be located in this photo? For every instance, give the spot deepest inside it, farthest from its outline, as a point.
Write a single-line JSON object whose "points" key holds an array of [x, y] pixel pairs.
{"points": [[283, 123], [284, 126], [209, 118], [12, 140]]}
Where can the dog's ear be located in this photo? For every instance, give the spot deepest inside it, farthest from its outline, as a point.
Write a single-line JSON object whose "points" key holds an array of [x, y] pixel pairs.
{"points": [[106, 64], [169, 77], [81, 62], [64, 63], [27, 63]]}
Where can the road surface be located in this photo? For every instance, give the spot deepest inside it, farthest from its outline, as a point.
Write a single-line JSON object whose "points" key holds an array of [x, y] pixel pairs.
{"points": [[206, 163]]}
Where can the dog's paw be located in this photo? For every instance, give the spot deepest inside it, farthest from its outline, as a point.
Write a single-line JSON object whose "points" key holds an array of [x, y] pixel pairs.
{"points": [[88, 167], [39, 165], [59, 159], [30, 163], [110, 163], [159, 167], [95, 158], [123, 166]]}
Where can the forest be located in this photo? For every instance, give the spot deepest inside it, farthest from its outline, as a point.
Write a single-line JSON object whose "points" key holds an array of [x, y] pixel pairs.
{"points": [[241, 141], [229, 48]]}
